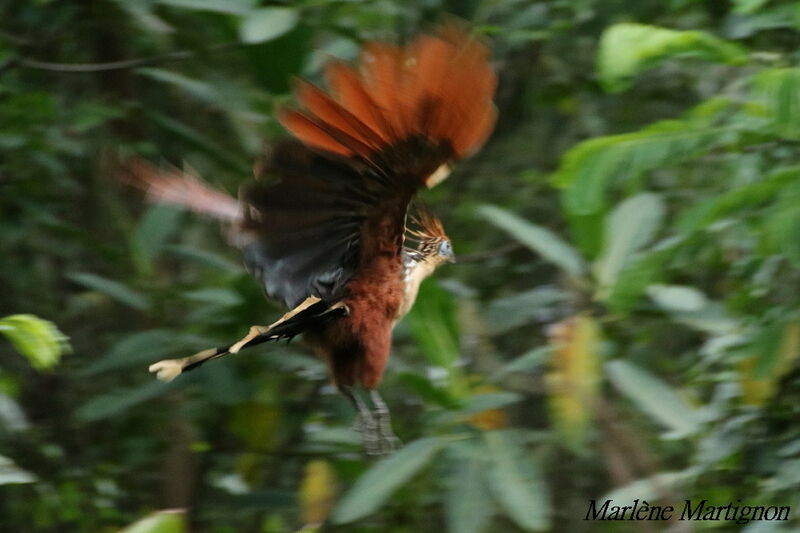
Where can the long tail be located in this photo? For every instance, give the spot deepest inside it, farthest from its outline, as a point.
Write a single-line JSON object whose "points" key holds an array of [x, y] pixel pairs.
{"points": [[311, 313], [181, 188]]}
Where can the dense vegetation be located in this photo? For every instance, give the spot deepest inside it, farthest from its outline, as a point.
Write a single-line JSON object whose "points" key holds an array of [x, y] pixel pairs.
{"points": [[624, 321]]}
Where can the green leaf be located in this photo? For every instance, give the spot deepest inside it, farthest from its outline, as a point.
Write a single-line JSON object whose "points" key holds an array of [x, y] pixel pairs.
{"points": [[11, 474], [677, 297], [588, 169], [524, 363], [540, 240], [145, 347], [629, 227], [114, 289], [380, 481], [522, 308], [479, 403], [230, 7], [195, 88], [267, 23], [780, 91], [218, 296], [204, 257], [627, 49], [702, 215], [634, 279], [468, 506], [39, 341], [651, 488], [748, 6], [199, 140], [120, 400], [654, 397], [159, 522], [157, 226], [433, 324], [516, 481]]}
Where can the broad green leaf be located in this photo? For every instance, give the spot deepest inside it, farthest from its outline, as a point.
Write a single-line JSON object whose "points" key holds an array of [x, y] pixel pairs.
{"points": [[39, 341], [204, 257], [652, 488], [11, 474], [230, 7], [713, 318], [524, 363], [540, 240], [516, 481], [700, 216], [626, 49], [775, 351], [634, 279], [523, 308], [780, 91], [159, 522], [267, 23], [468, 506], [433, 324], [748, 6], [194, 88], [490, 400], [152, 233], [120, 400], [199, 140], [677, 297], [145, 347], [628, 228], [114, 289], [654, 397], [212, 295], [588, 169], [782, 222], [386, 476]]}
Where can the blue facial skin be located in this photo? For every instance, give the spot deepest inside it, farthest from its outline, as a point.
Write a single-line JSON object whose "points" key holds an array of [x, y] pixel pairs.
{"points": [[446, 251]]}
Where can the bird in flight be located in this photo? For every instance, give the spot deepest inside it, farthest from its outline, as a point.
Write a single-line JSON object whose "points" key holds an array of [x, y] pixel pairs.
{"points": [[323, 226]]}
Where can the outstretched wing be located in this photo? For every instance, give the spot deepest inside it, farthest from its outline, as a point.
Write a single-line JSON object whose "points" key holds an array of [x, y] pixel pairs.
{"points": [[388, 127], [310, 314]]}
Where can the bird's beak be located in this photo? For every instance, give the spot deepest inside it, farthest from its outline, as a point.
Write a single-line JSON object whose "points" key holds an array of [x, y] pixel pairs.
{"points": [[451, 258]]}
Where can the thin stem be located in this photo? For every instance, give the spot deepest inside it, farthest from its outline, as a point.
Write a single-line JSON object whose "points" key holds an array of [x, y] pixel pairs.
{"points": [[83, 68]]}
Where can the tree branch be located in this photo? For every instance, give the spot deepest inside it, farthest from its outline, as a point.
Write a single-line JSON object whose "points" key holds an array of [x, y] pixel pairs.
{"points": [[83, 68]]}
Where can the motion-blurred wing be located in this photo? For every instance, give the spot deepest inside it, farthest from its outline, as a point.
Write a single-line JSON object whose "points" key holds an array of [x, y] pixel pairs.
{"points": [[387, 128]]}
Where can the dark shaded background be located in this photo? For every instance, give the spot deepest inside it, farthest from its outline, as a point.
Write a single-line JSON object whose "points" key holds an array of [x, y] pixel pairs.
{"points": [[624, 321]]}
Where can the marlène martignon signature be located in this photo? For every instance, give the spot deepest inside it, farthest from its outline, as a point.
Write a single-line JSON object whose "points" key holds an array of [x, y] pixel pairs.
{"points": [[689, 510]]}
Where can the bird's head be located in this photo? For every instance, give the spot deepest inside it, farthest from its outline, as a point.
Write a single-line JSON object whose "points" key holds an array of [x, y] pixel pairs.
{"points": [[434, 245]]}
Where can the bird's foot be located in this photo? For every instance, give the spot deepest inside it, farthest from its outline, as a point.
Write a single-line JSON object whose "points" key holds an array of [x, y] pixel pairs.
{"points": [[376, 432], [386, 437]]}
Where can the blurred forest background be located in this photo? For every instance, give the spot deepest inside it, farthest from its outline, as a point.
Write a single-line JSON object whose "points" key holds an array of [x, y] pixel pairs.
{"points": [[624, 322]]}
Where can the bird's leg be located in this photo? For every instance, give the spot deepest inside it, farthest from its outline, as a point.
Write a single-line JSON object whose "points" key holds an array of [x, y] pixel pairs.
{"points": [[387, 440], [365, 422]]}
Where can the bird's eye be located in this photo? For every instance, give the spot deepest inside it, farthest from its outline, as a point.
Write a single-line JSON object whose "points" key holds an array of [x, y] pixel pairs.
{"points": [[445, 248]]}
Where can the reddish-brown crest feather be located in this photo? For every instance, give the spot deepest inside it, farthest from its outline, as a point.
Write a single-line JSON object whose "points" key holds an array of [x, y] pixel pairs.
{"points": [[440, 88]]}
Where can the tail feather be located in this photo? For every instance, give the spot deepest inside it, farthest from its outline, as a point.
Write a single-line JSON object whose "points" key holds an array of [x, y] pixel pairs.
{"points": [[181, 188], [309, 314]]}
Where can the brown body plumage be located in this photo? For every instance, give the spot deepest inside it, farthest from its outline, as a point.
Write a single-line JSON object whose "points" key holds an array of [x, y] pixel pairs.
{"points": [[325, 233]]}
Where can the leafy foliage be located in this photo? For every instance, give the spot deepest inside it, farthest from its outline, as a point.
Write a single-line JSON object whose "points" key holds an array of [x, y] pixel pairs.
{"points": [[627, 328]]}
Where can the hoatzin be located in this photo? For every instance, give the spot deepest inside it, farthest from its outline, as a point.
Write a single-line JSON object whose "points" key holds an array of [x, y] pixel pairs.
{"points": [[325, 232]]}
